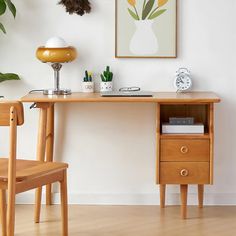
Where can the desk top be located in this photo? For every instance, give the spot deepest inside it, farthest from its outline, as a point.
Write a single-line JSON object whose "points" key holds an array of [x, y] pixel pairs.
{"points": [[158, 97]]}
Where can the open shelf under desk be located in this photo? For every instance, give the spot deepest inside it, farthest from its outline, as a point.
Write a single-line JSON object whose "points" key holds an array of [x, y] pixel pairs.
{"points": [[184, 136]]}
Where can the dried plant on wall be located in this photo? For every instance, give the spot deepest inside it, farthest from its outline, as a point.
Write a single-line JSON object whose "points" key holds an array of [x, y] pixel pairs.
{"points": [[79, 7]]}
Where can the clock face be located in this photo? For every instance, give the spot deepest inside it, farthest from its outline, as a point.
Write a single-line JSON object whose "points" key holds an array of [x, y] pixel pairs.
{"points": [[183, 82]]}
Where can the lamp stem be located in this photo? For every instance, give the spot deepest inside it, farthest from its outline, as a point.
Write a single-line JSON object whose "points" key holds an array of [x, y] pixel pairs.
{"points": [[56, 67], [57, 90]]}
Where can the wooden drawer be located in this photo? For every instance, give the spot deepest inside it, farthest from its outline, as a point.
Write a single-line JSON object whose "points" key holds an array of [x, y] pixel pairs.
{"points": [[185, 150], [184, 173]]}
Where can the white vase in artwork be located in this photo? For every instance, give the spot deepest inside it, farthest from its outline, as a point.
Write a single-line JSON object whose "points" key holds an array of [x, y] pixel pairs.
{"points": [[144, 41]]}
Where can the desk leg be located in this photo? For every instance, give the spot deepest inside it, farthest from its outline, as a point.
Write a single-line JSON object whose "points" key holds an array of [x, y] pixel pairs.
{"points": [[200, 195], [49, 148], [162, 195], [184, 196], [40, 154]]}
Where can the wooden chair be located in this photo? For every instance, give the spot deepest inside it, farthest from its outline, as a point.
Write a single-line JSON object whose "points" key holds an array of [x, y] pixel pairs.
{"points": [[18, 176]]}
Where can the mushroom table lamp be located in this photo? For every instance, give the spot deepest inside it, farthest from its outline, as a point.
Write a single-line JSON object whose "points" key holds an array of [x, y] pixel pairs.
{"points": [[56, 52]]}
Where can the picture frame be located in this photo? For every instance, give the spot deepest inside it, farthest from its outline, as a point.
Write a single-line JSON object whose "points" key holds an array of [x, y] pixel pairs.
{"points": [[137, 27]]}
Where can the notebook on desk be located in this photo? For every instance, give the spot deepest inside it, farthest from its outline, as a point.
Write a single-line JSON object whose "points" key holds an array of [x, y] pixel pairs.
{"points": [[126, 94]]}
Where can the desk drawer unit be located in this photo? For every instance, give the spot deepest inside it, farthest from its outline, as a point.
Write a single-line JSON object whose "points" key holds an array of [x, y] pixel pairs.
{"points": [[185, 161], [185, 158], [185, 150], [184, 173]]}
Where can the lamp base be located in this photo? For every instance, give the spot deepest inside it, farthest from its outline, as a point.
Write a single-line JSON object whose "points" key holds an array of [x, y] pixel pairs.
{"points": [[57, 92]]}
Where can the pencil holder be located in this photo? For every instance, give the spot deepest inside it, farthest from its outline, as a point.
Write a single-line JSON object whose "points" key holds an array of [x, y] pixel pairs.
{"points": [[88, 87], [88, 84]]}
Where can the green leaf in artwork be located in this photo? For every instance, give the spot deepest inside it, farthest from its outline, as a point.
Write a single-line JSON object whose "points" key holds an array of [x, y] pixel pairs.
{"points": [[2, 28], [147, 9], [144, 4], [133, 14], [11, 7], [8, 76], [156, 14], [3, 7]]}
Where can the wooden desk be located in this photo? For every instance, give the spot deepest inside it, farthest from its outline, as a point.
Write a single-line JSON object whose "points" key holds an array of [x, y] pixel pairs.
{"points": [[181, 159]]}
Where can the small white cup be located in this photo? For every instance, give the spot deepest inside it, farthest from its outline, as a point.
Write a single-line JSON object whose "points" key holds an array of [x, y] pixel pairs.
{"points": [[88, 87]]}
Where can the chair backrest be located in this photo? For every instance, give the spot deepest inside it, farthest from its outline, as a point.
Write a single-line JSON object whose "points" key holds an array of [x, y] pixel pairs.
{"points": [[12, 115], [5, 107]]}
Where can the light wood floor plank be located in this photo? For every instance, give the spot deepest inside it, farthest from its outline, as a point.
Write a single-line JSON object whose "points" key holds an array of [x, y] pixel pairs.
{"points": [[128, 221]]}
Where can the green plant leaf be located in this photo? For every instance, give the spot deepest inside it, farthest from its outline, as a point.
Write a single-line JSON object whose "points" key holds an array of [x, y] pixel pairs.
{"points": [[103, 78], [2, 28], [147, 9], [111, 76], [8, 76], [11, 7], [3, 7], [156, 14], [133, 14]]}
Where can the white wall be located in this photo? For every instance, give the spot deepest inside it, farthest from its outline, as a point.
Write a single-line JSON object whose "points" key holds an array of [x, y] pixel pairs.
{"points": [[111, 147]]}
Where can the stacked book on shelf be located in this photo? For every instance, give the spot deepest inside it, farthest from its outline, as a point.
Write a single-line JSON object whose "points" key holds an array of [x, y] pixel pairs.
{"points": [[182, 125]]}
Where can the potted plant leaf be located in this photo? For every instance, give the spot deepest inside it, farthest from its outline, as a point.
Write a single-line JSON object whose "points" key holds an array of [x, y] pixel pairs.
{"points": [[4, 4], [106, 83]]}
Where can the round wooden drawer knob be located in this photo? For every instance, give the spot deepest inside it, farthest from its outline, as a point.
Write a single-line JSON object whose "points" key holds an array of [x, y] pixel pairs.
{"points": [[184, 149], [184, 173]]}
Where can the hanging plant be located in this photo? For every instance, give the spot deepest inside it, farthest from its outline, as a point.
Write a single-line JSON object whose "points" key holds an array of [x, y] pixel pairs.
{"points": [[4, 4], [8, 76], [79, 7]]}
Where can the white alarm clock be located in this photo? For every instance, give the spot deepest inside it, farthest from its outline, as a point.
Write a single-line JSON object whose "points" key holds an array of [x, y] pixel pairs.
{"points": [[183, 81]]}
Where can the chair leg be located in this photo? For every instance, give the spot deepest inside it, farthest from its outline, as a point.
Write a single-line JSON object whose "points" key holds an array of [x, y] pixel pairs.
{"points": [[162, 195], [49, 194], [184, 195], [11, 213], [200, 195], [38, 197], [64, 204], [3, 211]]}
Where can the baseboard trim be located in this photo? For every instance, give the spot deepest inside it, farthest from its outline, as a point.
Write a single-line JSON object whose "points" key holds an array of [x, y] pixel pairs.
{"points": [[131, 199]]}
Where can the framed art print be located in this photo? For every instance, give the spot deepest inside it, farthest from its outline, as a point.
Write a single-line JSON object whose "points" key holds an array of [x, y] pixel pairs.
{"points": [[146, 28]]}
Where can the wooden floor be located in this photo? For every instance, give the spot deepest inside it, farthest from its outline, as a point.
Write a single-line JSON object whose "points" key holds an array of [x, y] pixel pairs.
{"points": [[128, 221]]}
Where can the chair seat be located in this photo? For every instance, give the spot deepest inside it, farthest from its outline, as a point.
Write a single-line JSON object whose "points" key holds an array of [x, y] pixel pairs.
{"points": [[27, 169]]}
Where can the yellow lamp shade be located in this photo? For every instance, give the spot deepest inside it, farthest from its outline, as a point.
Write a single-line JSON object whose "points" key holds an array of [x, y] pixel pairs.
{"points": [[56, 55]]}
